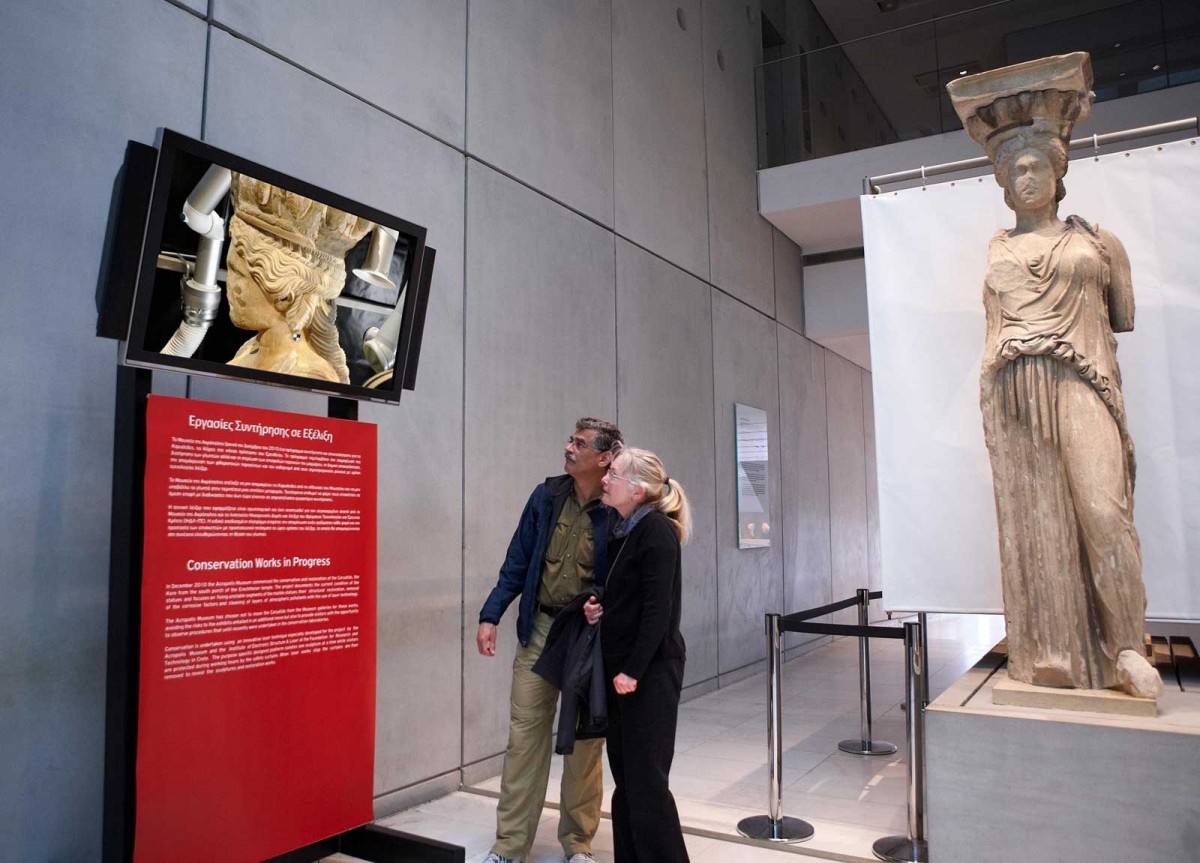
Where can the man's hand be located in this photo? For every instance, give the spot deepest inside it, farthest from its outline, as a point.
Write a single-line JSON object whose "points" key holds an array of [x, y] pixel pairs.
{"points": [[624, 684], [592, 610], [485, 639]]}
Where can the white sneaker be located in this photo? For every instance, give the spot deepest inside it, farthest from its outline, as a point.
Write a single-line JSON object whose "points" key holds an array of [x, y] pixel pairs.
{"points": [[581, 857], [493, 857]]}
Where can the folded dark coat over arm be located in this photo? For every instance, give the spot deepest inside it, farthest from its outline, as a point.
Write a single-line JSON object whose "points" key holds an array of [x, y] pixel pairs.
{"points": [[572, 661]]}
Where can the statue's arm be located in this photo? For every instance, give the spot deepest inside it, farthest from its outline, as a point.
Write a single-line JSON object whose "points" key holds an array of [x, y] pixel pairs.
{"points": [[1120, 285]]}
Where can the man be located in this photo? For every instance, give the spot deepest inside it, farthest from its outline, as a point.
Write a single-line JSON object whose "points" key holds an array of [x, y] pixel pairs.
{"points": [[558, 550]]}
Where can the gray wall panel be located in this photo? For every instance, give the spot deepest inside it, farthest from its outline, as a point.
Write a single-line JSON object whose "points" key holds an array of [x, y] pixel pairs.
{"points": [[847, 481], [541, 325], [420, 450], [407, 58], [420, 519], [804, 462], [750, 581], [658, 130], [70, 100], [664, 399], [539, 103], [789, 282], [739, 239]]}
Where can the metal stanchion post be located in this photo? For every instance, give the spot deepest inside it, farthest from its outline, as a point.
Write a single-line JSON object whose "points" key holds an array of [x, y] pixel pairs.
{"points": [[923, 619], [773, 826], [865, 745], [912, 848]]}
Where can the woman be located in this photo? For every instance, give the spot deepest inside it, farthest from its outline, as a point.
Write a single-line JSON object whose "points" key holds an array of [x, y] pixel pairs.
{"points": [[285, 269], [1053, 412], [643, 653]]}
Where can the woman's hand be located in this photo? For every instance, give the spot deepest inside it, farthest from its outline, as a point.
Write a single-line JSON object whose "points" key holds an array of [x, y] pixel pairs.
{"points": [[592, 610], [624, 684]]}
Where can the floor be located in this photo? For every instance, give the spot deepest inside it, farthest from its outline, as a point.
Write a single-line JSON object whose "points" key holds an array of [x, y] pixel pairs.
{"points": [[719, 774]]}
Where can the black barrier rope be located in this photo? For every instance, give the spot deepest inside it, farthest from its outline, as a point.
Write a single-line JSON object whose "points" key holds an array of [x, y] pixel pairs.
{"points": [[810, 613], [843, 629]]}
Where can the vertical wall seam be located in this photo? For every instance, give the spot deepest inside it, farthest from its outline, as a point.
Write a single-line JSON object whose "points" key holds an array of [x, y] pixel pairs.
{"points": [[612, 87], [707, 166], [774, 275], [712, 323], [612, 80], [204, 86], [783, 564], [712, 335], [828, 465], [616, 337], [462, 497]]}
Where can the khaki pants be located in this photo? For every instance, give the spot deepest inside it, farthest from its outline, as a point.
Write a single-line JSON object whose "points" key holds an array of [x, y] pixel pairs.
{"points": [[527, 765]]}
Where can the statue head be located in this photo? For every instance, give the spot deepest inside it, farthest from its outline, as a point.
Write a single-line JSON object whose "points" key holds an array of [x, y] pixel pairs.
{"points": [[1027, 165], [1023, 115], [286, 264]]}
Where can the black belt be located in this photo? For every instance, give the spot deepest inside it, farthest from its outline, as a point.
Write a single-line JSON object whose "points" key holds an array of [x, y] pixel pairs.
{"points": [[551, 610]]}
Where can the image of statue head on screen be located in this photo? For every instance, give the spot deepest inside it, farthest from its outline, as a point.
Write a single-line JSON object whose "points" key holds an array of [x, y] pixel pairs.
{"points": [[286, 268], [1055, 292]]}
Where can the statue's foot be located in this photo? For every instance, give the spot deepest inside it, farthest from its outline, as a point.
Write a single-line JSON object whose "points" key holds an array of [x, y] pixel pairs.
{"points": [[1049, 673], [1137, 676]]}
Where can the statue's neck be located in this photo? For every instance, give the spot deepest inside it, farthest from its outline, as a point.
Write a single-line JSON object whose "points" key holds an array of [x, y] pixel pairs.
{"points": [[1042, 220], [277, 338]]}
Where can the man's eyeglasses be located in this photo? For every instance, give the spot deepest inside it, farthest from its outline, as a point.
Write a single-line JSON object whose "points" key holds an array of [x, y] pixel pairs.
{"points": [[578, 442]]}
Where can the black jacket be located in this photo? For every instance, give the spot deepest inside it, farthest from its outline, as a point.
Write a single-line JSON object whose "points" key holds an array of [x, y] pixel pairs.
{"points": [[571, 660], [642, 598]]}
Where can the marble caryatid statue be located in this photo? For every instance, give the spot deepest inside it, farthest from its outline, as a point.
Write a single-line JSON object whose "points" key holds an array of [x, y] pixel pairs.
{"points": [[1050, 390], [285, 269]]}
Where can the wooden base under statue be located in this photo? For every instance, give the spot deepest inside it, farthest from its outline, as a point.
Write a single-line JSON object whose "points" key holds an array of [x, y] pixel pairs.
{"points": [[1018, 694]]}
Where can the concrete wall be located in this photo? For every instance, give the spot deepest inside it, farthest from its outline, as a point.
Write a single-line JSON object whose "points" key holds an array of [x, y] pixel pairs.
{"points": [[835, 309], [586, 172]]}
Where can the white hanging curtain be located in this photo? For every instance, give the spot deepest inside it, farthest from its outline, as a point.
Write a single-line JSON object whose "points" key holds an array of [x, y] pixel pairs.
{"points": [[926, 253]]}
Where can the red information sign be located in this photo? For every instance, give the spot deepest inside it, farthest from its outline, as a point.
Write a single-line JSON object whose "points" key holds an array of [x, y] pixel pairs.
{"points": [[257, 704]]}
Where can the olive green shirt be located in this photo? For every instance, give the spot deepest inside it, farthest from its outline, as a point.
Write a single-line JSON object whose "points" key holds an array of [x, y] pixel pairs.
{"points": [[567, 566]]}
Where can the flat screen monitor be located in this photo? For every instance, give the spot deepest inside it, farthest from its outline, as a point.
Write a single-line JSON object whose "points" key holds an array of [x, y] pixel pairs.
{"points": [[249, 273]]}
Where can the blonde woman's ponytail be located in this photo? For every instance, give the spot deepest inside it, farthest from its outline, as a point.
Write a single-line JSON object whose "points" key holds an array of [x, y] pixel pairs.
{"points": [[663, 493]]}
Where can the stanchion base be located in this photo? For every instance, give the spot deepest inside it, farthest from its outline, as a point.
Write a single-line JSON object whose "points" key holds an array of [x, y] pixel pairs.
{"points": [[867, 747], [901, 849], [783, 830]]}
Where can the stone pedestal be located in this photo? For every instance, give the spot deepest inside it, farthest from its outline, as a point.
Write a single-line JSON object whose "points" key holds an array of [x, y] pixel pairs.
{"points": [[1017, 694], [1011, 783]]}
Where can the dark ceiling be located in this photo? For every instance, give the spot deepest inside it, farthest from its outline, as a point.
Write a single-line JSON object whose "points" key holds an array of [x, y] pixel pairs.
{"points": [[905, 57]]}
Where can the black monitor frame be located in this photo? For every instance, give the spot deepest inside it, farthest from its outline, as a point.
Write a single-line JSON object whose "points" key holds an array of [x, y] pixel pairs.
{"points": [[414, 288]]}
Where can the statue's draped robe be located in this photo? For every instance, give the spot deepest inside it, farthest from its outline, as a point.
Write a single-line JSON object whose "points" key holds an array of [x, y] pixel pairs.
{"points": [[1062, 459]]}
